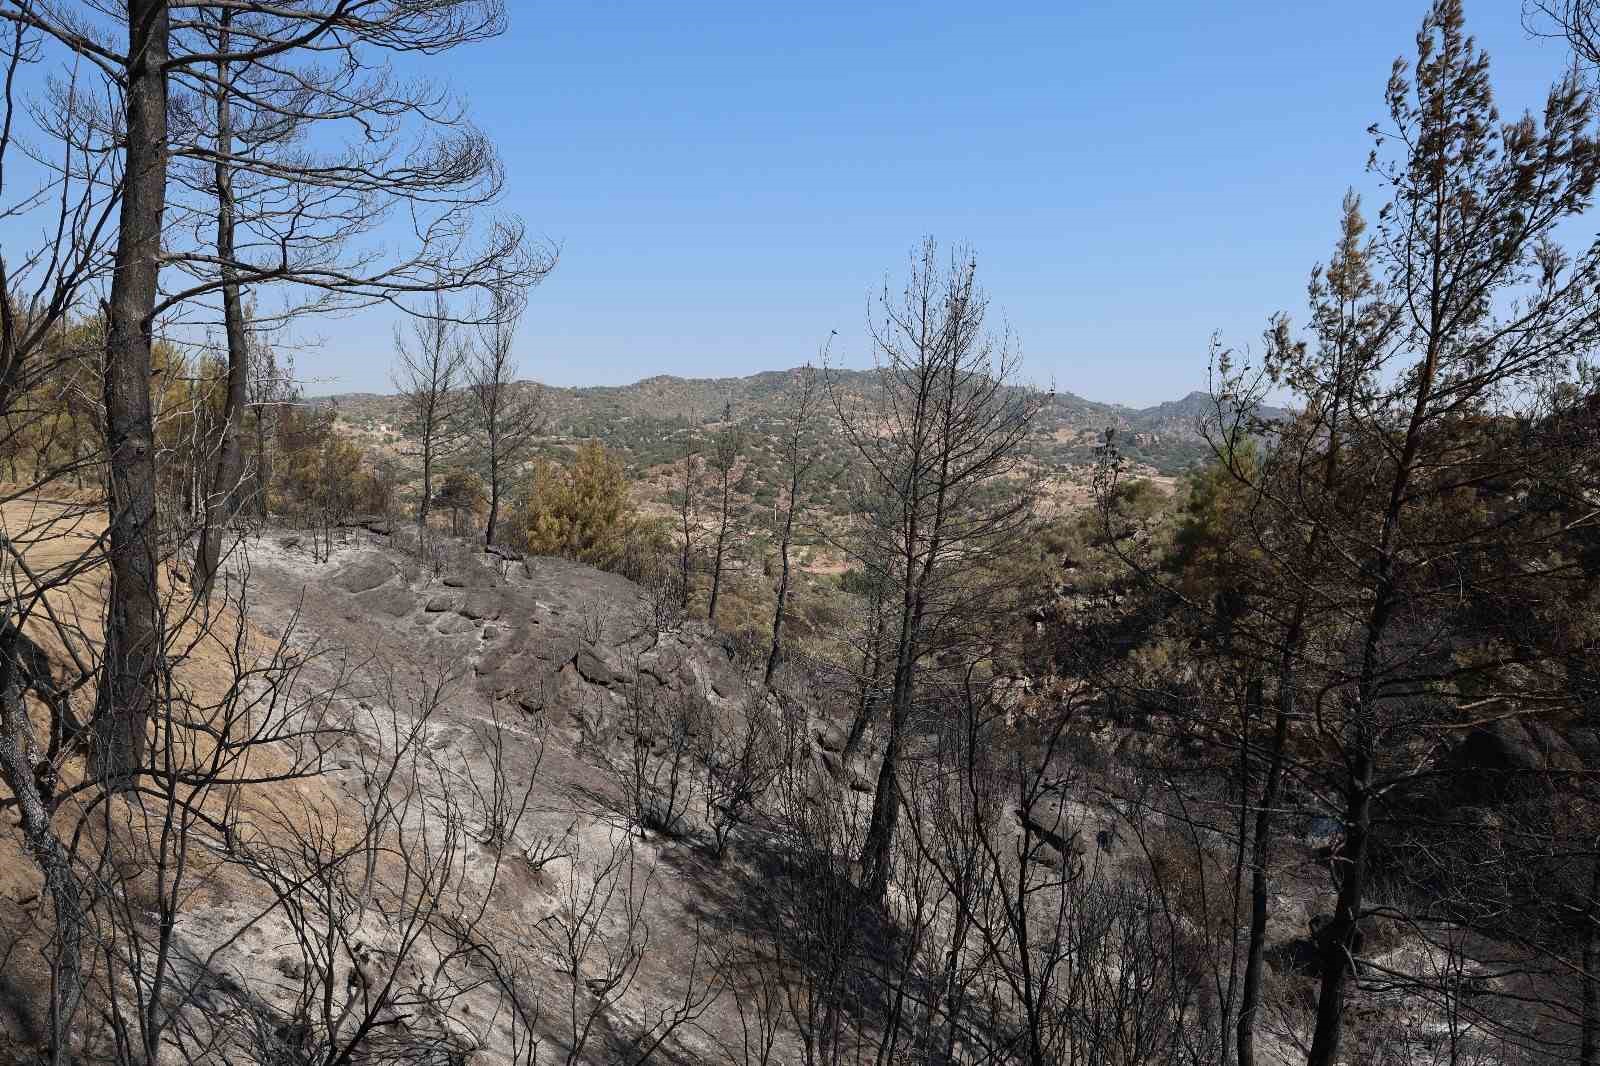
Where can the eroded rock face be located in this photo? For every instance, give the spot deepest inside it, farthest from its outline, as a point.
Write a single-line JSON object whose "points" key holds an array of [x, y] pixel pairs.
{"points": [[552, 660], [547, 637]]}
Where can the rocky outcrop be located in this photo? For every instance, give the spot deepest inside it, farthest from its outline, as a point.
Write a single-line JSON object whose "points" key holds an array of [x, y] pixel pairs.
{"points": [[1509, 758], [366, 571], [546, 636]]}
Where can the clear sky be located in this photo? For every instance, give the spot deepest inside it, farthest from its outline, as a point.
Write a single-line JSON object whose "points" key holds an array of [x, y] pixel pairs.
{"points": [[727, 180]]}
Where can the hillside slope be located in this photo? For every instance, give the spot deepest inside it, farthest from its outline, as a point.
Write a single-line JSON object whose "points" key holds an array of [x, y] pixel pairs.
{"points": [[477, 722], [639, 419]]}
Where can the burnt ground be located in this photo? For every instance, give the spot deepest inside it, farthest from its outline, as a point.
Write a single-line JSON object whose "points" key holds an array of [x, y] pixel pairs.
{"points": [[547, 648]]}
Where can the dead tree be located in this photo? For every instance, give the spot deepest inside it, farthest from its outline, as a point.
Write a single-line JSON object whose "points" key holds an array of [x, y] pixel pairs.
{"points": [[600, 938], [44, 355], [739, 755], [726, 447], [269, 390], [254, 94], [940, 439], [800, 453], [1030, 954], [510, 416], [118, 855], [428, 375], [1255, 546], [688, 494], [656, 771], [133, 637], [813, 933], [1353, 320], [140, 75], [20, 767], [870, 630], [136, 819], [387, 935], [222, 500]]}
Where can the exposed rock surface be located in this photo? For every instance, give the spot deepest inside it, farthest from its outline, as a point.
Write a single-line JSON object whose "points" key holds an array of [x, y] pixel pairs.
{"points": [[543, 647], [544, 636], [367, 570]]}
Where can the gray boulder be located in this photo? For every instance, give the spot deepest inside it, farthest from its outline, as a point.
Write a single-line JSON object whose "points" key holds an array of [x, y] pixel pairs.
{"points": [[367, 571]]}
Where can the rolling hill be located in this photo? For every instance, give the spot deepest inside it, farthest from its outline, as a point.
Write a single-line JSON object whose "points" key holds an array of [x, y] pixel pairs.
{"points": [[642, 420]]}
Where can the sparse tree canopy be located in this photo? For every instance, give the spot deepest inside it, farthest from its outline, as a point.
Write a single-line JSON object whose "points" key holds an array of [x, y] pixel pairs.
{"points": [[509, 415], [939, 445], [430, 362], [726, 447], [799, 453]]}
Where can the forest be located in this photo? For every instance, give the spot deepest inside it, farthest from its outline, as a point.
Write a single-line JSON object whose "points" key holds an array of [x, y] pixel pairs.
{"points": [[906, 712]]}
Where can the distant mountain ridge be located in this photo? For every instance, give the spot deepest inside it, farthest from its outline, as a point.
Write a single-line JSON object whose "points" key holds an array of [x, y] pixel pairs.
{"points": [[701, 398], [1166, 436]]}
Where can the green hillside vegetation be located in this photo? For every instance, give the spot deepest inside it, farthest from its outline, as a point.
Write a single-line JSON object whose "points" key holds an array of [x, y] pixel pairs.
{"points": [[642, 421]]}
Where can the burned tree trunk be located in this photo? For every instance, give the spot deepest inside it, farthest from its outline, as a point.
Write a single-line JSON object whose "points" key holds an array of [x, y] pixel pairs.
{"points": [[222, 500], [133, 632]]}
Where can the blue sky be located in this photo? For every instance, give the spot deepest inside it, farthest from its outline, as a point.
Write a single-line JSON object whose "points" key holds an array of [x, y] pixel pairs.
{"points": [[728, 180]]}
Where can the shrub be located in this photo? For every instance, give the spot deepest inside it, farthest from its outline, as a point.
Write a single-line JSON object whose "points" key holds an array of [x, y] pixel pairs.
{"points": [[579, 512]]}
